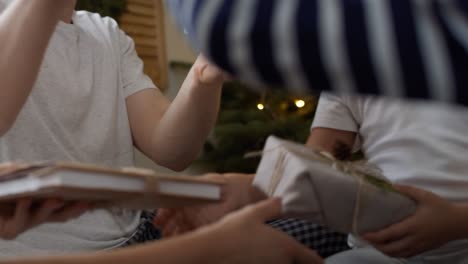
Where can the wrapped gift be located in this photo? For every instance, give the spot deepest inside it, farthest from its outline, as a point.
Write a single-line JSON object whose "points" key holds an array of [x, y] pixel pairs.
{"points": [[345, 196]]}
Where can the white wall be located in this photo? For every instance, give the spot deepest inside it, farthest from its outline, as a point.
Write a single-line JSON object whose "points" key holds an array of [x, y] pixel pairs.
{"points": [[178, 50]]}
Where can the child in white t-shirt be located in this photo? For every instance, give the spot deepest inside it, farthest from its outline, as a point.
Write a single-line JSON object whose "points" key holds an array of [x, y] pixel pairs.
{"points": [[86, 99], [417, 144]]}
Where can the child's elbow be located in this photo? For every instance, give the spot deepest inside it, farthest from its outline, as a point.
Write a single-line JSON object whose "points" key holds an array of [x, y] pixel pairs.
{"points": [[178, 166], [175, 163]]}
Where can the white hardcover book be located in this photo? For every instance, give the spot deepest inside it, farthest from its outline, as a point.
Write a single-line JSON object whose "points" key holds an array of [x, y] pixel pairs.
{"points": [[136, 188]]}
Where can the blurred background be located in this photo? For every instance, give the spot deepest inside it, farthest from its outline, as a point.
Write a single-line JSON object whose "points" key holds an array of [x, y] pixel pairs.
{"points": [[246, 118]]}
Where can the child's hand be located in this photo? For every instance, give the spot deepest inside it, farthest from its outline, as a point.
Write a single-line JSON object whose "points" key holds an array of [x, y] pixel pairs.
{"points": [[24, 215], [433, 224], [237, 192], [206, 73]]}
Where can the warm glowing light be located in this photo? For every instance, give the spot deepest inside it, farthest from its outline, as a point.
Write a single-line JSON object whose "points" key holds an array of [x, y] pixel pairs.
{"points": [[299, 103], [260, 106]]}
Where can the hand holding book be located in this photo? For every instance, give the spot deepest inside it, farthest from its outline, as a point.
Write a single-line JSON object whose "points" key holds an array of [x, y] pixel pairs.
{"points": [[25, 214], [20, 215], [35, 193], [237, 193]]}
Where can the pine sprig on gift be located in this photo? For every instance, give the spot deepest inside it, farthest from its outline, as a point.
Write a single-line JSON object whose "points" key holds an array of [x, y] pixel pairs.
{"points": [[379, 183], [343, 152]]}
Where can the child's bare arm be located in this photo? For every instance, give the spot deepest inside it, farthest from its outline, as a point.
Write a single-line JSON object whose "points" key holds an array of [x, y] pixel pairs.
{"points": [[25, 29]]}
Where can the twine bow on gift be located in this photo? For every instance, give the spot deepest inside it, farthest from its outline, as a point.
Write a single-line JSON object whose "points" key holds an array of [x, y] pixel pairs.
{"points": [[346, 167]]}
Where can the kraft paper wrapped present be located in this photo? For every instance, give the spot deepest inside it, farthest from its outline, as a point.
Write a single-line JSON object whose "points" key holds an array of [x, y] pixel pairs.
{"points": [[342, 195]]}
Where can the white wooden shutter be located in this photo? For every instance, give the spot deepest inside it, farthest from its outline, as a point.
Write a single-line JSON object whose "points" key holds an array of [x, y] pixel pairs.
{"points": [[144, 22]]}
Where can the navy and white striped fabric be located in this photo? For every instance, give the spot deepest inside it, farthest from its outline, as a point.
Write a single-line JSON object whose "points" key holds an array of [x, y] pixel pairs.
{"points": [[403, 48]]}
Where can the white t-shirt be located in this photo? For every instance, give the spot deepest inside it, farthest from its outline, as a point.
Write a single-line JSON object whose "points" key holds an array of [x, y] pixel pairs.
{"points": [[77, 112], [421, 144]]}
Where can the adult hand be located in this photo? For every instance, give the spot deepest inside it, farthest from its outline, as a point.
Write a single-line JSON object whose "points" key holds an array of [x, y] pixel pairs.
{"points": [[255, 242], [237, 192], [433, 224], [241, 237], [17, 218]]}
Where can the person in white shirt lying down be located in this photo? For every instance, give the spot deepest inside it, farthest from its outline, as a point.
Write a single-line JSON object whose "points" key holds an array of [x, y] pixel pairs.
{"points": [[420, 145]]}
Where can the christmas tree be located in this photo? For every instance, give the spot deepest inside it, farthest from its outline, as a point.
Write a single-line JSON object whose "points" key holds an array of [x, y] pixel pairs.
{"points": [[111, 8], [247, 118]]}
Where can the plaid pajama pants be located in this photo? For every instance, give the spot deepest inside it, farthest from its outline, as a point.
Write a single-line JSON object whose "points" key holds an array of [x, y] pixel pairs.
{"points": [[317, 237], [146, 231]]}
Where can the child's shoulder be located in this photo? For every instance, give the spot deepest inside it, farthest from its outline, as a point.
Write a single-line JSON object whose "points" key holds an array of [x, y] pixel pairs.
{"points": [[86, 18]]}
